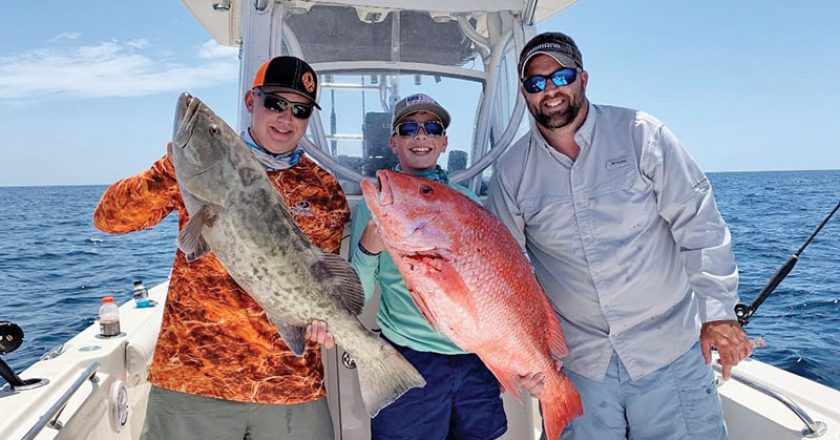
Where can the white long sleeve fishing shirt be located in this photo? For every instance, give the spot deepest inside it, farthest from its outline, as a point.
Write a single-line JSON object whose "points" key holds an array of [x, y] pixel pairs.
{"points": [[626, 240]]}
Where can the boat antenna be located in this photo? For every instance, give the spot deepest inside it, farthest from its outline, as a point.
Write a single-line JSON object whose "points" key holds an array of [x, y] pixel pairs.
{"points": [[334, 141], [744, 312]]}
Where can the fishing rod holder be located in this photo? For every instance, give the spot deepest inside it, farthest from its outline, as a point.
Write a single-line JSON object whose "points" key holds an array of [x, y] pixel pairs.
{"points": [[11, 337]]}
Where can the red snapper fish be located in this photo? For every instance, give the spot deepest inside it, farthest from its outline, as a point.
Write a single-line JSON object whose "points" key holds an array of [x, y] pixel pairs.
{"points": [[470, 280]]}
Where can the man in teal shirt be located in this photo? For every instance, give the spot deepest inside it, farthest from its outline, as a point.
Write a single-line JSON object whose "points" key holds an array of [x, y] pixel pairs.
{"points": [[461, 397]]}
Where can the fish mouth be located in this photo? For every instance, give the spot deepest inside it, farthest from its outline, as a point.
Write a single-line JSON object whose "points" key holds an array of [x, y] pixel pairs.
{"points": [[186, 112]]}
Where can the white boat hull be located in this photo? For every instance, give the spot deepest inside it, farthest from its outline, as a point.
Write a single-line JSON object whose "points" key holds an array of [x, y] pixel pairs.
{"points": [[750, 414], [87, 413]]}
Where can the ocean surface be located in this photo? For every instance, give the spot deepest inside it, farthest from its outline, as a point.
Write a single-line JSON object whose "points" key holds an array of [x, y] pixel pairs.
{"points": [[55, 266]]}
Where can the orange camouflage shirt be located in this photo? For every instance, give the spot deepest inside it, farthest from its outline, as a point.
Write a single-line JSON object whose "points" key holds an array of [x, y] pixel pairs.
{"points": [[215, 341]]}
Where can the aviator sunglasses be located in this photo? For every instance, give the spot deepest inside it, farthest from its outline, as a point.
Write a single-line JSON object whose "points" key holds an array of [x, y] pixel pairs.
{"points": [[279, 105], [411, 129], [560, 77]]}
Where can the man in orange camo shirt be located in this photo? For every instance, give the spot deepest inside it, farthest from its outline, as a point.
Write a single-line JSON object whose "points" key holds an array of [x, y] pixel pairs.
{"points": [[220, 369]]}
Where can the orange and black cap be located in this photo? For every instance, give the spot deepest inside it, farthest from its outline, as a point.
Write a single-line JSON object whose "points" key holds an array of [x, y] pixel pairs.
{"points": [[288, 74]]}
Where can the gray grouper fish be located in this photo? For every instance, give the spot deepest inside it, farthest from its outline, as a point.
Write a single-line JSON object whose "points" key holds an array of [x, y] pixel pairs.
{"points": [[235, 212]]}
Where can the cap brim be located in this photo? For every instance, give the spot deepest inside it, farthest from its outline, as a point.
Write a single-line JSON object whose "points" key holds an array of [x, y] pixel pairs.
{"points": [[562, 59], [270, 89]]}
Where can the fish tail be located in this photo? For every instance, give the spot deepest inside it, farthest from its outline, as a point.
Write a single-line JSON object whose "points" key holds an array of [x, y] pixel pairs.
{"points": [[560, 403], [383, 379]]}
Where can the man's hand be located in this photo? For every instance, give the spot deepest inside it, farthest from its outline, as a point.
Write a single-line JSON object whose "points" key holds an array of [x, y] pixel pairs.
{"points": [[371, 239], [317, 332], [534, 383], [730, 341]]}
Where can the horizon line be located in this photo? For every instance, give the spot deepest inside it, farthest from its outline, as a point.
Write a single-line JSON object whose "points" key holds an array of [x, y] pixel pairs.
{"points": [[707, 172]]}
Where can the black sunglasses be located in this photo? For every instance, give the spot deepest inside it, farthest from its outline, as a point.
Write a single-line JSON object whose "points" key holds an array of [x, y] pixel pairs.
{"points": [[279, 105], [560, 77], [411, 128]]}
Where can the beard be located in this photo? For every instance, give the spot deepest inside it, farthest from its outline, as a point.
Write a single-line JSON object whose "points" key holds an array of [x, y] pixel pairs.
{"points": [[558, 118]]}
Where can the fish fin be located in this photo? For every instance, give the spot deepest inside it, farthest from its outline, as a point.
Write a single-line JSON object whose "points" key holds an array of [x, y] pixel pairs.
{"points": [[422, 307], [559, 404], [556, 340], [384, 377], [445, 281], [455, 286], [507, 379], [190, 241], [293, 336], [347, 287]]}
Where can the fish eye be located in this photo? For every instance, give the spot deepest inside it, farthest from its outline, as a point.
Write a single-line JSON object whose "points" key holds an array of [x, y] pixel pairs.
{"points": [[426, 190], [214, 129]]}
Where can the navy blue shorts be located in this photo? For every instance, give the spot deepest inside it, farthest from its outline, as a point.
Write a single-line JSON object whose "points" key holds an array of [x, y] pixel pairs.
{"points": [[461, 400]]}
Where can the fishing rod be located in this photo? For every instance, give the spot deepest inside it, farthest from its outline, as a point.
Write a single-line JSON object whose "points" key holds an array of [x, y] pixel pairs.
{"points": [[744, 312]]}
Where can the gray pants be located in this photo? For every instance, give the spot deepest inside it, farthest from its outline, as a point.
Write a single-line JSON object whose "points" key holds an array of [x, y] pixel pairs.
{"points": [[178, 416]]}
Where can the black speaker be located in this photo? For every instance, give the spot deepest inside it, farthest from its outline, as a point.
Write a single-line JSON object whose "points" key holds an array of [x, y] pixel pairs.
{"points": [[376, 150], [457, 161]]}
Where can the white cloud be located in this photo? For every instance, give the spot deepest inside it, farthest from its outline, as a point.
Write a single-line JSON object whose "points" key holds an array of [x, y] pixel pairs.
{"points": [[211, 49], [65, 36], [138, 43], [112, 69]]}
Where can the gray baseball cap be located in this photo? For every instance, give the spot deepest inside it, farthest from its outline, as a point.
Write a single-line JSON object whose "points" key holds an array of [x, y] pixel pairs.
{"points": [[418, 103], [557, 45]]}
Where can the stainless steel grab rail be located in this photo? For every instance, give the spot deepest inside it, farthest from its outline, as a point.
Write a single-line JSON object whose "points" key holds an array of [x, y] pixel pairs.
{"points": [[55, 409], [812, 429]]}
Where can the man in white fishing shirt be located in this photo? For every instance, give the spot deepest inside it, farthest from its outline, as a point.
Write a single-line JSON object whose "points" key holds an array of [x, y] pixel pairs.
{"points": [[624, 235]]}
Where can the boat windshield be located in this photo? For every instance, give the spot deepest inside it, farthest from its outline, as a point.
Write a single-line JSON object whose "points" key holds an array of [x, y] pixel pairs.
{"points": [[370, 58]]}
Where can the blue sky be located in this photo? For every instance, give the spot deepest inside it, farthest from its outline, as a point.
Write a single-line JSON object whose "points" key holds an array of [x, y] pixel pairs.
{"points": [[87, 89]]}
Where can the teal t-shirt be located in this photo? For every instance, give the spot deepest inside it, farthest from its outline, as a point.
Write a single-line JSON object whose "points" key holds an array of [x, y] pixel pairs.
{"points": [[398, 317]]}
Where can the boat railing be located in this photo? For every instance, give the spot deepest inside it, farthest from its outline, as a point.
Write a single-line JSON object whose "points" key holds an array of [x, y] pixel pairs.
{"points": [[482, 132], [813, 429], [50, 418]]}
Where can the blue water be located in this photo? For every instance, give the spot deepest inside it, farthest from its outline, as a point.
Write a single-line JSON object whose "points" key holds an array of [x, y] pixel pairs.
{"points": [[55, 266]]}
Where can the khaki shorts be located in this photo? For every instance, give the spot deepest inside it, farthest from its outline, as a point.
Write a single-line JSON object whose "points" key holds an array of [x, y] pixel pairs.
{"points": [[677, 401], [178, 416]]}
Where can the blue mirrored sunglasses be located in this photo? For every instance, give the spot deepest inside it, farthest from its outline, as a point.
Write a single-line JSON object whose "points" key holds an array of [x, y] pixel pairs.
{"points": [[279, 105], [411, 129], [560, 77]]}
